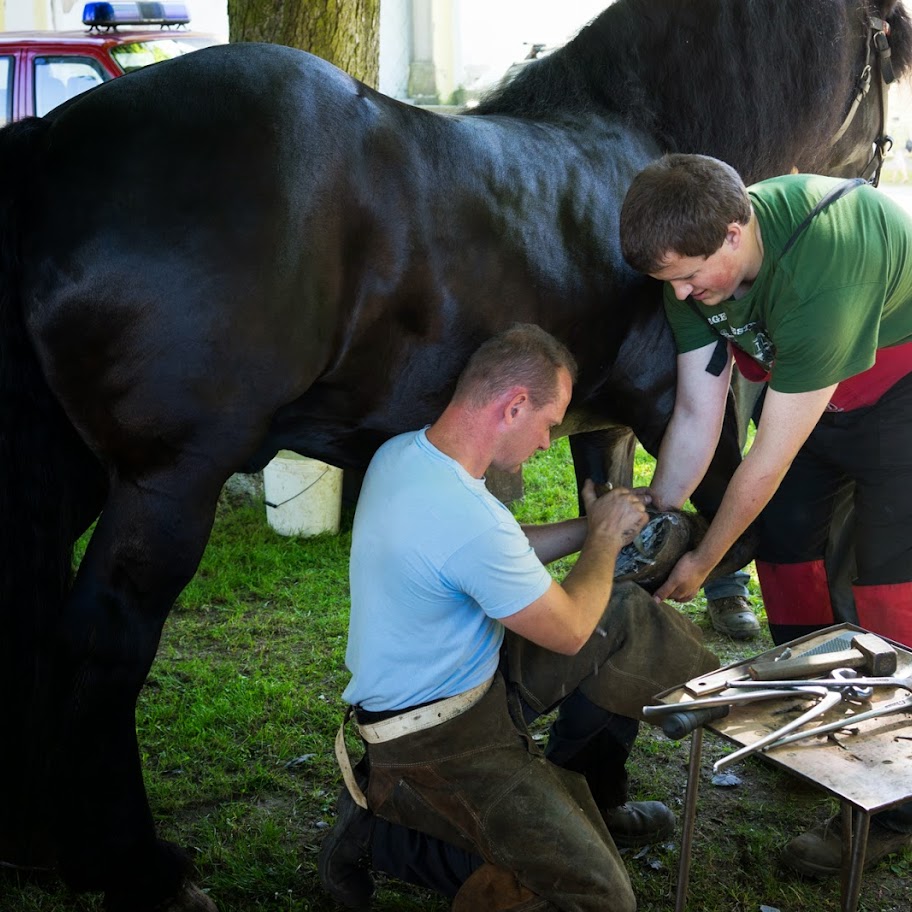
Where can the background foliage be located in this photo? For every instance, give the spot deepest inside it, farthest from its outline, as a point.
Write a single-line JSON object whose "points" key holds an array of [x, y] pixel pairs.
{"points": [[344, 32]]}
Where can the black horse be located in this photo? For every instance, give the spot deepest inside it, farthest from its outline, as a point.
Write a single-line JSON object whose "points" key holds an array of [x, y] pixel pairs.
{"points": [[246, 249]]}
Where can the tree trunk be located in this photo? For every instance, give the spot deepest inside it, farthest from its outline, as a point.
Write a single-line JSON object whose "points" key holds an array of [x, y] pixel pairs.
{"points": [[344, 32]]}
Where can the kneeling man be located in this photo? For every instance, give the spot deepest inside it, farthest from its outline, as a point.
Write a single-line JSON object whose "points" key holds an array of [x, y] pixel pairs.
{"points": [[459, 637]]}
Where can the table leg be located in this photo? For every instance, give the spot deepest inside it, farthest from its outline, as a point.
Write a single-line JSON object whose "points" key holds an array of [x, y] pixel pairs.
{"points": [[690, 815], [855, 826]]}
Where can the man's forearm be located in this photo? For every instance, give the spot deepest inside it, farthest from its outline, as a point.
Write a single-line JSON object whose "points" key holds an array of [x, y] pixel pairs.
{"points": [[563, 618], [684, 457], [693, 432], [788, 418], [590, 581], [552, 541]]}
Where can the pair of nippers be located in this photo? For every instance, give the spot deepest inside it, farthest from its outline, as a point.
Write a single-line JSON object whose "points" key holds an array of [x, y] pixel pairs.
{"points": [[842, 679]]}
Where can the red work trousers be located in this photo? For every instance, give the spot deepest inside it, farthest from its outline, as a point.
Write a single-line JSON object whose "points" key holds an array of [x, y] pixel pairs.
{"points": [[864, 454]]}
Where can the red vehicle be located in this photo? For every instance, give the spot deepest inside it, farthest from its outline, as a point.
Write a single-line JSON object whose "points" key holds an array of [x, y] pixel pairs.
{"points": [[40, 70]]}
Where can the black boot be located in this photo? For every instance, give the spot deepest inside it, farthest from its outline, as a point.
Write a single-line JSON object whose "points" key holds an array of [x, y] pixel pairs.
{"points": [[638, 823], [344, 862], [588, 739]]}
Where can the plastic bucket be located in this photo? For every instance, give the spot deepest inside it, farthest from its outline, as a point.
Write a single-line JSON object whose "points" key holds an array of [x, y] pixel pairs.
{"points": [[303, 496]]}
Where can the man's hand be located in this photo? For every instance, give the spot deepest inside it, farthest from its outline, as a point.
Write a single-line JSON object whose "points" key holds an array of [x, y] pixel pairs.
{"points": [[618, 515], [788, 419], [563, 619], [684, 581]]}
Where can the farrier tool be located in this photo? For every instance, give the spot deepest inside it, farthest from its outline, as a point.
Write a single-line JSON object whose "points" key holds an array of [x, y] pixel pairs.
{"points": [[850, 687], [679, 720], [748, 696], [865, 650], [843, 685], [884, 709], [831, 683], [715, 681]]}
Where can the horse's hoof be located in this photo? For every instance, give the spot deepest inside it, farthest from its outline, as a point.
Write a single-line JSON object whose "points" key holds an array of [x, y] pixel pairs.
{"points": [[27, 851], [651, 556], [26, 868], [190, 899]]}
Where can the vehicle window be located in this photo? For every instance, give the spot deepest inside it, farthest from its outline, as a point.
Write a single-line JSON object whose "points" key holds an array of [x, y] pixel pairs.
{"points": [[6, 90], [142, 53], [57, 79]]}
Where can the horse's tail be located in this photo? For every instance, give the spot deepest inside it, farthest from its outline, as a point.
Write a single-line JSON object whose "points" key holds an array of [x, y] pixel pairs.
{"points": [[38, 506]]}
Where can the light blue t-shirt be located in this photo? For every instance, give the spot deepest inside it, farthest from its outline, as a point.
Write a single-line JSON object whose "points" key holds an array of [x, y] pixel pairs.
{"points": [[436, 560]]}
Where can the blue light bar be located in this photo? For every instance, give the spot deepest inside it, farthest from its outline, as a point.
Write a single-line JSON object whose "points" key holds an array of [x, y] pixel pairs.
{"points": [[110, 15]]}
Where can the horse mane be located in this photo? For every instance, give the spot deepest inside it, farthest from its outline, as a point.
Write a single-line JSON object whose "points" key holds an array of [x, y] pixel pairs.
{"points": [[747, 81]]}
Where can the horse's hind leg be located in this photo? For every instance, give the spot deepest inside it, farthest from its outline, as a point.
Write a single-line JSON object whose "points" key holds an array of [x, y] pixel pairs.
{"points": [[145, 548], [53, 492]]}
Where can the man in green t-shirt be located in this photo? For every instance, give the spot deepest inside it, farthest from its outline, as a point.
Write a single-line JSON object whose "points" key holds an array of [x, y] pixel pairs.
{"points": [[805, 282]]}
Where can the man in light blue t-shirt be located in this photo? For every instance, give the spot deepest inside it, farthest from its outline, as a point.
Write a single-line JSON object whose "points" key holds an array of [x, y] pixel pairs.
{"points": [[459, 637]]}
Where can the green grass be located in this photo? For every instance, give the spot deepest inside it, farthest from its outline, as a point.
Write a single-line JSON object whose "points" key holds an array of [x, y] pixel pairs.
{"points": [[237, 719]]}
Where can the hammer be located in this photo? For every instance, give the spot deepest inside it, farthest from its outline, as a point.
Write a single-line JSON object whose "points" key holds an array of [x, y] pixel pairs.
{"points": [[876, 656]]}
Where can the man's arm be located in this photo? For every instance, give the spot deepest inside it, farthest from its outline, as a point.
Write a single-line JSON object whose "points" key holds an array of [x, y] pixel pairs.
{"points": [[693, 432], [788, 419], [552, 541], [564, 617]]}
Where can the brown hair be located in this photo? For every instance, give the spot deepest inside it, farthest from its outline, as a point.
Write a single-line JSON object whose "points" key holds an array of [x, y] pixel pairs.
{"points": [[522, 355], [680, 204]]}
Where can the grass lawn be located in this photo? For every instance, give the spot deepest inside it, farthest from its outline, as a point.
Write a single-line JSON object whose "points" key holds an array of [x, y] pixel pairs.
{"points": [[237, 719]]}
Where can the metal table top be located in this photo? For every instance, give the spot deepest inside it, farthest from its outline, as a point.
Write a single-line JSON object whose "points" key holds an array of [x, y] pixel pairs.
{"points": [[869, 764]]}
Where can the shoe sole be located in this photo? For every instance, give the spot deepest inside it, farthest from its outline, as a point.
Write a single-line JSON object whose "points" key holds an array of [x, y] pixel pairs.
{"points": [[636, 842], [808, 869], [740, 635]]}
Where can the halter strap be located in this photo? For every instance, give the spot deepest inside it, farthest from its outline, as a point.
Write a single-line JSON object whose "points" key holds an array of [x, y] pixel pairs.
{"points": [[878, 53], [839, 190]]}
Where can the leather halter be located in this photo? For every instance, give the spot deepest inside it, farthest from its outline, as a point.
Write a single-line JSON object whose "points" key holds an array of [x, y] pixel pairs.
{"points": [[878, 55]]}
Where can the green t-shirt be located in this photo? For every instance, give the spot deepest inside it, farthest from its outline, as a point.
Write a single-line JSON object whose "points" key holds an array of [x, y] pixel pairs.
{"points": [[818, 314]]}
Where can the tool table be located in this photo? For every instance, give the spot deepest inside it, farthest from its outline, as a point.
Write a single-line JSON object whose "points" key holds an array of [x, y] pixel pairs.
{"points": [[868, 766]]}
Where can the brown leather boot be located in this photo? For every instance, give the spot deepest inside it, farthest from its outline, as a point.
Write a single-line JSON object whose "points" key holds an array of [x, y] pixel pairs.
{"points": [[493, 889]]}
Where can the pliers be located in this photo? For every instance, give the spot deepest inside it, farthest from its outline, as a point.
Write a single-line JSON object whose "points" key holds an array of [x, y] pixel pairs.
{"points": [[829, 698]]}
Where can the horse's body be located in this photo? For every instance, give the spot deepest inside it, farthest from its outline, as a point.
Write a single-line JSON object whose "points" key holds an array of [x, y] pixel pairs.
{"points": [[276, 256]]}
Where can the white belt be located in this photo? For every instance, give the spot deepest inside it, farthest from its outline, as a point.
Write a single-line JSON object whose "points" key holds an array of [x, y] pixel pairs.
{"points": [[416, 720], [413, 720]]}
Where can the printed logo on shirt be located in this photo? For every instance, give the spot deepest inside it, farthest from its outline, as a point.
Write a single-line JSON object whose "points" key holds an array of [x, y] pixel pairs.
{"points": [[752, 338], [757, 344]]}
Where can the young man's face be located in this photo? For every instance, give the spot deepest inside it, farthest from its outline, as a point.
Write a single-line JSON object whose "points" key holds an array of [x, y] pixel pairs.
{"points": [[710, 280]]}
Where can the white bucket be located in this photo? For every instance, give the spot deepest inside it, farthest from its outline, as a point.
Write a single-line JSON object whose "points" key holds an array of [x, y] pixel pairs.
{"points": [[303, 496]]}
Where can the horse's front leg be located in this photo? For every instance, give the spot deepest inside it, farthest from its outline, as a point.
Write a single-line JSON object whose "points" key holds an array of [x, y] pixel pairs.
{"points": [[604, 456], [145, 548]]}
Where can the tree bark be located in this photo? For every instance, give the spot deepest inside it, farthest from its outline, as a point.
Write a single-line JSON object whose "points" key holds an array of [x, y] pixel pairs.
{"points": [[344, 32]]}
